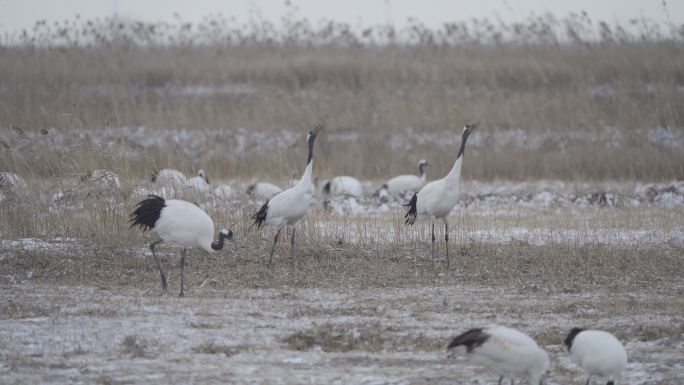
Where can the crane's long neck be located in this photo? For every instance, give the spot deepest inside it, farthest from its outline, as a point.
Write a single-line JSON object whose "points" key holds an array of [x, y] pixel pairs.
{"points": [[421, 170], [455, 173], [307, 178], [218, 245]]}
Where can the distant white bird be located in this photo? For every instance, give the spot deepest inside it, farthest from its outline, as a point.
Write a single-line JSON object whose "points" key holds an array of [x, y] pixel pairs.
{"points": [[179, 223], [102, 179], [12, 182], [199, 183], [343, 186], [224, 192], [169, 177], [289, 206], [402, 183], [599, 353], [507, 352], [263, 190], [437, 198]]}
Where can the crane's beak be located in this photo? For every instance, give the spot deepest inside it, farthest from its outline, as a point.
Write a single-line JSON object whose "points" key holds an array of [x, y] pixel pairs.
{"points": [[318, 129], [473, 126]]}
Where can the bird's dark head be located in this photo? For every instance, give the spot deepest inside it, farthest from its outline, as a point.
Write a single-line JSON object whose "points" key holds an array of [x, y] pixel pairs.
{"points": [[571, 337], [223, 235], [153, 178], [311, 137], [469, 128], [250, 188], [203, 175], [226, 234]]}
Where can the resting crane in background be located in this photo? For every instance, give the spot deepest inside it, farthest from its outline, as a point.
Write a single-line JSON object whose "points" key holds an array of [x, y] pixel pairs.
{"points": [[263, 190], [400, 184], [289, 206], [437, 198], [169, 177], [199, 183], [343, 186]]}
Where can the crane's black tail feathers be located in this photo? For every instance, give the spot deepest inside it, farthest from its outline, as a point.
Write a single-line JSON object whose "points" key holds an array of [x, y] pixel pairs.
{"points": [[147, 212], [412, 212], [470, 339], [260, 216]]}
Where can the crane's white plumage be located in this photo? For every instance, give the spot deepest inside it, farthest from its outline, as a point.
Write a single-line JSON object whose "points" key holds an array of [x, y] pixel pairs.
{"points": [[199, 183], [599, 353], [506, 351], [437, 198], [102, 179], [343, 186], [289, 206], [403, 183], [12, 182], [263, 190], [179, 223], [224, 192], [170, 177]]}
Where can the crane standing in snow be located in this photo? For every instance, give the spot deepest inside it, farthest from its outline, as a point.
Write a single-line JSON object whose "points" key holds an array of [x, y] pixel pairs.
{"points": [[437, 198], [289, 206], [179, 223]]}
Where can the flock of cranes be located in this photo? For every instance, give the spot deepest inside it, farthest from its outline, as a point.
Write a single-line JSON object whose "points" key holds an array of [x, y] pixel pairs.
{"points": [[505, 351], [510, 353]]}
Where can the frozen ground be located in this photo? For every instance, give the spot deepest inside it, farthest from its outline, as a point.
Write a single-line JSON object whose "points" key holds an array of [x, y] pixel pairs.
{"points": [[76, 334], [365, 305]]}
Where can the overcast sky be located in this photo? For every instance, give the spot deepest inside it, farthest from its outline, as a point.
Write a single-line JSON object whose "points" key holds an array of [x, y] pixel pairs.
{"points": [[19, 14]]}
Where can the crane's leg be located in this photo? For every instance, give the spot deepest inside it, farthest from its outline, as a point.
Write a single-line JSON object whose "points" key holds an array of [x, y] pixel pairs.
{"points": [[500, 380], [446, 240], [183, 252], [433, 241], [292, 244], [275, 240], [588, 380], [161, 272]]}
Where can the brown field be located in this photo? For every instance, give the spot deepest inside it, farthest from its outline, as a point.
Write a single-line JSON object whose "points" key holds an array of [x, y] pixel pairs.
{"points": [[568, 118]]}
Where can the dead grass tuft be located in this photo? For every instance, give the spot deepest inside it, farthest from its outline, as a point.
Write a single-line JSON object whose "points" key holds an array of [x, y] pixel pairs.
{"points": [[371, 337], [135, 346], [213, 348]]}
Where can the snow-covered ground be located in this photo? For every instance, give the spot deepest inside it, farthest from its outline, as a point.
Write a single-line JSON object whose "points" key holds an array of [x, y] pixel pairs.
{"points": [[60, 334]]}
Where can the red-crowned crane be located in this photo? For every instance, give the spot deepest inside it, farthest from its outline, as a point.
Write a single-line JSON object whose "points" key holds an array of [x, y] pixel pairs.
{"points": [[599, 353], [263, 190], [402, 183], [437, 198], [179, 223], [289, 206], [199, 183], [346, 186], [507, 352], [169, 177]]}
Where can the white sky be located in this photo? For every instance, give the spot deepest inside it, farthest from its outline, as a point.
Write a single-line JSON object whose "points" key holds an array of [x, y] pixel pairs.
{"points": [[19, 14]]}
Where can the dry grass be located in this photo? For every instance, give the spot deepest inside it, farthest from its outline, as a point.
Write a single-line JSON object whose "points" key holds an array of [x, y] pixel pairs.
{"points": [[575, 84]]}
